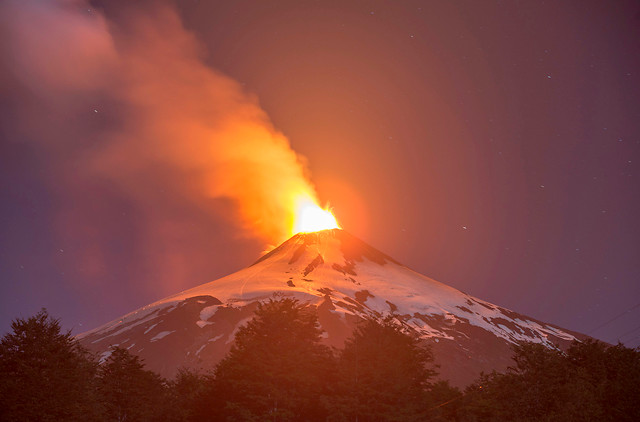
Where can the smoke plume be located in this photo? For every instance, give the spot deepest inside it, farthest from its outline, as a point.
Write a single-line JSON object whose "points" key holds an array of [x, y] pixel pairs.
{"points": [[129, 111]]}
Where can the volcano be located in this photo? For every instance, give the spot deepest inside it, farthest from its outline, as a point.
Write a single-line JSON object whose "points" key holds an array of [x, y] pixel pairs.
{"points": [[346, 280]]}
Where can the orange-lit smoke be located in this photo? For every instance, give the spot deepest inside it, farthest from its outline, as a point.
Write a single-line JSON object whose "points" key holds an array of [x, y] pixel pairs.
{"points": [[175, 125]]}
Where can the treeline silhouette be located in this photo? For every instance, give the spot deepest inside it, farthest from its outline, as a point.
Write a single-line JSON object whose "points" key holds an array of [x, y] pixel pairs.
{"points": [[278, 370]]}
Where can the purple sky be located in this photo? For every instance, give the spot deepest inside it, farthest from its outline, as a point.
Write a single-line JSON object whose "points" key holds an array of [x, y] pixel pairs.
{"points": [[493, 146]]}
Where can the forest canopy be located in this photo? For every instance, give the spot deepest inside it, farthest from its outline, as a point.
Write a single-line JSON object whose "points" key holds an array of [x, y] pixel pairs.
{"points": [[278, 369]]}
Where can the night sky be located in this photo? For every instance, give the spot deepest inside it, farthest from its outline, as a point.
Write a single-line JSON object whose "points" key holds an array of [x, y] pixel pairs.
{"points": [[491, 145]]}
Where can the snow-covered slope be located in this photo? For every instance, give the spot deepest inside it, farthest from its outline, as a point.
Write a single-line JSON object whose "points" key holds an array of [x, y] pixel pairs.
{"points": [[347, 280]]}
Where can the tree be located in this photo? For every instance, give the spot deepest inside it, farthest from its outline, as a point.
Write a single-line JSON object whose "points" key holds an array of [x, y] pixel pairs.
{"points": [[385, 373], [277, 369], [590, 381], [187, 396], [611, 375], [443, 402], [129, 392], [539, 387], [45, 375]]}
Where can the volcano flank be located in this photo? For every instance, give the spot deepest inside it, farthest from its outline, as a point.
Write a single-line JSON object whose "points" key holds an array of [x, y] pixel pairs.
{"points": [[346, 280]]}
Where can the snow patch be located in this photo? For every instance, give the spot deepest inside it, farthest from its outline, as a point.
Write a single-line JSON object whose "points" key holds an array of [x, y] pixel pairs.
{"points": [[150, 328], [211, 340], [235, 330], [208, 312], [216, 338], [104, 356], [161, 335], [149, 312]]}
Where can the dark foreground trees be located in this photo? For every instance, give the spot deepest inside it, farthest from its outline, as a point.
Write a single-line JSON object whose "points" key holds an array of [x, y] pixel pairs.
{"points": [[279, 371], [385, 374], [277, 368], [592, 381], [127, 391], [189, 397], [45, 375]]}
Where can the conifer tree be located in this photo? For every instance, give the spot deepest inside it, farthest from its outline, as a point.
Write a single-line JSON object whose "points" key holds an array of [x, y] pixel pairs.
{"points": [[127, 391], [277, 369], [443, 402], [590, 381], [45, 375], [187, 396], [385, 373]]}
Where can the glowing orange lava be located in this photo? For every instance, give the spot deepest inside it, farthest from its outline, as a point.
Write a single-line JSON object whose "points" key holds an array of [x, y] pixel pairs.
{"points": [[310, 217]]}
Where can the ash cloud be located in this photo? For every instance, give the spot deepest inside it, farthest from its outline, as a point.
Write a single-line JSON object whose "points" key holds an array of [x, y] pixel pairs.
{"points": [[127, 116]]}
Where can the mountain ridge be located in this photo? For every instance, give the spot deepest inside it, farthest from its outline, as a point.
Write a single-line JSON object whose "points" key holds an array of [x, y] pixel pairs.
{"points": [[346, 280]]}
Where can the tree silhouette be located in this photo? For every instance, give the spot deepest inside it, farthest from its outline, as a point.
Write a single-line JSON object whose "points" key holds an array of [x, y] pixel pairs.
{"points": [[590, 381], [444, 402], [45, 375], [277, 369], [188, 396], [385, 373], [128, 391]]}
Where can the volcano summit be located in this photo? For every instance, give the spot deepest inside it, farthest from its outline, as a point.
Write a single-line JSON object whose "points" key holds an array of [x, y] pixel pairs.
{"points": [[346, 280]]}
